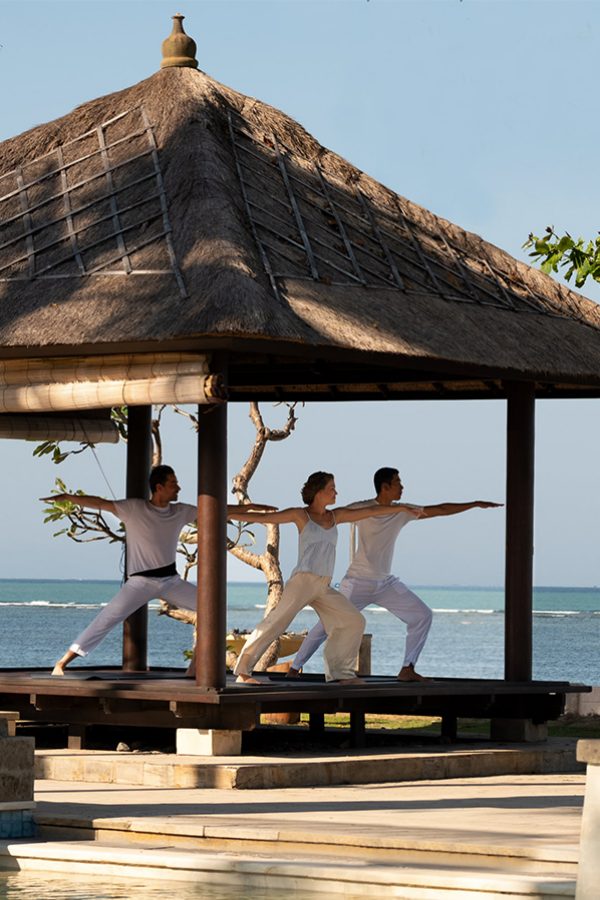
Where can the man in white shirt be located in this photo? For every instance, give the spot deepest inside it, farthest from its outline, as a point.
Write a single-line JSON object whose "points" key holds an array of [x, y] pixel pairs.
{"points": [[369, 579], [152, 529]]}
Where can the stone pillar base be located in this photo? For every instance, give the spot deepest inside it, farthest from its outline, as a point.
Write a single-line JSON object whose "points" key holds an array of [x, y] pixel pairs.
{"points": [[16, 781], [588, 872], [518, 730], [208, 742]]}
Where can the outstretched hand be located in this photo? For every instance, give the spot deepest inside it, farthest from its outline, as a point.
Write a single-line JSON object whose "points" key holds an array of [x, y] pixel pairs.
{"points": [[487, 504], [56, 498]]}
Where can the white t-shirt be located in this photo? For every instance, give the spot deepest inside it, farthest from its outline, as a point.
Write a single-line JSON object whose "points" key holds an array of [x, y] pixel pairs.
{"points": [[152, 533], [376, 539]]}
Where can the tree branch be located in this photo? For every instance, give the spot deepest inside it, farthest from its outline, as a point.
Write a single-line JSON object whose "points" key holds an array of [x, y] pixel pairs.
{"points": [[247, 556]]}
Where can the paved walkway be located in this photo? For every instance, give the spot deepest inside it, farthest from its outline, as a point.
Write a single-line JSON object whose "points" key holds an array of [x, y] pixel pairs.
{"points": [[513, 836], [540, 813]]}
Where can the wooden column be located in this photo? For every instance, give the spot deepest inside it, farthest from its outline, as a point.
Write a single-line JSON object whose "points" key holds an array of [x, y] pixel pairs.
{"points": [[212, 560], [518, 645], [139, 462]]}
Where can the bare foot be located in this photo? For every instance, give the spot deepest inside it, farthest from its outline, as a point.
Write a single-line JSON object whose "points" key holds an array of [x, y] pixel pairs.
{"points": [[293, 673], [59, 667], [355, 680], [246, 679], [407, 673]]}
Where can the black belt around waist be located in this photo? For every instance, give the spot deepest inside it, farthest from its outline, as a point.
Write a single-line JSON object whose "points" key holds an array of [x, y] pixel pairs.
{"points": [[161, 572]]}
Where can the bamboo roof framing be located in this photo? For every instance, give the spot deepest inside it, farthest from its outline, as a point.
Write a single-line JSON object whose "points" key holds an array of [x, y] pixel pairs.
{"points": [[342, 239], [62, 214]]}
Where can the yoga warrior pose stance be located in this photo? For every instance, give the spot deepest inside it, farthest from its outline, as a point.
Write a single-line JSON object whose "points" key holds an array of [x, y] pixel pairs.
{"points": [[309, 583], [368, 580], [152, 530]]}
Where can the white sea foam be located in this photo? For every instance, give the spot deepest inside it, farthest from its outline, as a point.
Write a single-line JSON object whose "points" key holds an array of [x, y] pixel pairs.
{"points": [[371, 610], [557, 612], [463, 612], [48, 604]]}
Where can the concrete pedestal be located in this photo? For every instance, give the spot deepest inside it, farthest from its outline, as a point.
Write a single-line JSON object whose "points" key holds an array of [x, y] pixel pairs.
{"points": [[518, 730], [588, 873], [208, 742], [587, 704]]}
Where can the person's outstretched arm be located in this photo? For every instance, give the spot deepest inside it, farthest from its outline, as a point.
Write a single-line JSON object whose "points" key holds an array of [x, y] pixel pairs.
{"points": [[249, 513], [89, 502], [252, 507], [451, 509], [349, 514]]}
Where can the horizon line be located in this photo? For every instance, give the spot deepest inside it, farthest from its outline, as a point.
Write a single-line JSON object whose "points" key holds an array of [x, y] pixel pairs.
{"points": [[462, 587]]}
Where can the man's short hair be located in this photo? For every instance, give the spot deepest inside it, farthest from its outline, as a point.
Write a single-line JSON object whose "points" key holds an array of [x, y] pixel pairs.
{"points": [[159, 475], [384, 476]]}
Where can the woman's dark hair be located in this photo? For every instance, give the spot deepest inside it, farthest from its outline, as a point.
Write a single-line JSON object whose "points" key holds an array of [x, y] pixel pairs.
{"points": [[314, 483], [383, 476], [159, 475]]}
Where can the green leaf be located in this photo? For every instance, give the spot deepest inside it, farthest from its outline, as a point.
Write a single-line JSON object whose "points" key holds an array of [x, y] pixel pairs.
{"points": [[564, 244]]}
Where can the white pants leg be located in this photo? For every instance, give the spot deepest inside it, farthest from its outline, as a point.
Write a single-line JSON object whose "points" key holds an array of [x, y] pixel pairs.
{"points": [[360, 595], [394, 596], [293, 599], [137, 591], [309, 646], [178, 592], [391, 594], [342, 621], [344, 625]]}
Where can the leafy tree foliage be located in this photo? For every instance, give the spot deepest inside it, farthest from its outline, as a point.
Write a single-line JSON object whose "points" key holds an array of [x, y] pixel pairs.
{"points": [[579, 258]]}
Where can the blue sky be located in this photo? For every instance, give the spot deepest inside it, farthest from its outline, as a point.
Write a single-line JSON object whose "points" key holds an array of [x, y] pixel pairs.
{"points": [[482, 111]]}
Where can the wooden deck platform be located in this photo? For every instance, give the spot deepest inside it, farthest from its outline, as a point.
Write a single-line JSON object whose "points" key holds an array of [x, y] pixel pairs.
{"points": [[165, 698]]}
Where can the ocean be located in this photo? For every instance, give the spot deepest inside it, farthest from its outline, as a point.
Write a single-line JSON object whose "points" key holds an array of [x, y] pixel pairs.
{"points": [[39, 619]]}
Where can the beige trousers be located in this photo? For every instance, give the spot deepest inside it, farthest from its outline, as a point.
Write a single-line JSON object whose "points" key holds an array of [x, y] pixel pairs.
{"points": [[343, 623]]}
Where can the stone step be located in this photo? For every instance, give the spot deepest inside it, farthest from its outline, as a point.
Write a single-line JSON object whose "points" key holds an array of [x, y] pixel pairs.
{"points": [[216, 833], [342, 876], [304, 770]]}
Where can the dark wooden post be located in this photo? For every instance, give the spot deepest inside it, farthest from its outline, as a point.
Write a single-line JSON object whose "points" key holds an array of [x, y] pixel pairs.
{"points": [[518, 645], [212, 559], [139, 462]]}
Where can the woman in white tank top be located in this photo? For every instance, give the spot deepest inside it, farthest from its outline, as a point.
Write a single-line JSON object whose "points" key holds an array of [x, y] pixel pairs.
{"points": [[309, 583]]}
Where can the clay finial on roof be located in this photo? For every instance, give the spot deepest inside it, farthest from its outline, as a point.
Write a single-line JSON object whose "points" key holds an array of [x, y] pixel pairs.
{"points": [[179, 49]]}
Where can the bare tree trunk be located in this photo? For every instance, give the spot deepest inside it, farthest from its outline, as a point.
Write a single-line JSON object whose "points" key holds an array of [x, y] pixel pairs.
{"points": [[268, 561], [157, 439]]}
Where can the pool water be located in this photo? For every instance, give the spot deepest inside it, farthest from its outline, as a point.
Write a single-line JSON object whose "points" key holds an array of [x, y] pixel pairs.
{"points": [[56, 886]]}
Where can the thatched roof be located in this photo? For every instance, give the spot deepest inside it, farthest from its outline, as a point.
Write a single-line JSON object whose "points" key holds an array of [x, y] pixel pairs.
{"points": [[181, 214]]}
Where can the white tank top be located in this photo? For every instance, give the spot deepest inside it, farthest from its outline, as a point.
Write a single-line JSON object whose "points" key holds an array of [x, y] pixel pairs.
{"points": [[316, 549]]}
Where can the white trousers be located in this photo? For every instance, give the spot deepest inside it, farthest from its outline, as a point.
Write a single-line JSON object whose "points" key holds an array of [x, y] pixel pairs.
{"points": [[343, 625], [391, 594], [137, 591]]}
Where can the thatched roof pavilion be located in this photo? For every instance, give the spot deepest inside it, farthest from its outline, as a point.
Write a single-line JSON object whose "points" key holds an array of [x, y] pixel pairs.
{"points": [[181, 215], [158, 240]]}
